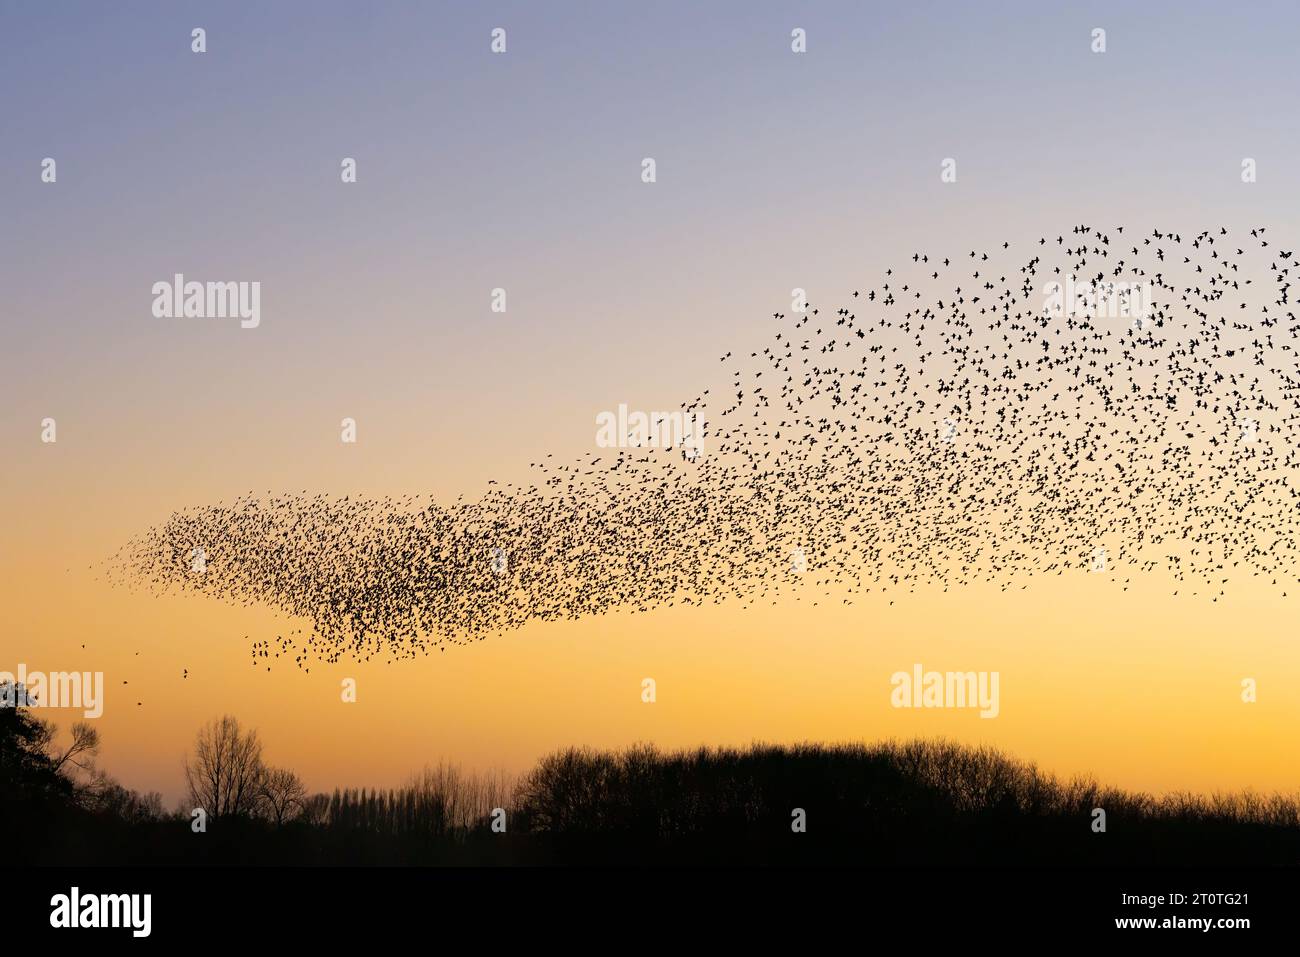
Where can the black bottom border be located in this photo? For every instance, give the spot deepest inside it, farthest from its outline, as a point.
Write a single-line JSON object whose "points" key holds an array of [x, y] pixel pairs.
{"points": [[330, 905]]}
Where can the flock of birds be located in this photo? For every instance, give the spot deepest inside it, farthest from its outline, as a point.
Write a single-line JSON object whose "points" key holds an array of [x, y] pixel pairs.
{"points": [[950, 424]]}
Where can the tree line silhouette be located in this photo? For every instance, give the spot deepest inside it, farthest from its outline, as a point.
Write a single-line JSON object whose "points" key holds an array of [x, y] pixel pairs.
{"points": [[912, 803]]}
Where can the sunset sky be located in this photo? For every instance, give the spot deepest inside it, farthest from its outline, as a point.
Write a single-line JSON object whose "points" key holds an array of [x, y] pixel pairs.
{"points": [[522, 171]]}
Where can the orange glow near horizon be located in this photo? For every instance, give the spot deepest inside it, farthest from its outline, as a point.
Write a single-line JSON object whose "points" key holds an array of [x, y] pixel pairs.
{"points": [[1139, 689]]}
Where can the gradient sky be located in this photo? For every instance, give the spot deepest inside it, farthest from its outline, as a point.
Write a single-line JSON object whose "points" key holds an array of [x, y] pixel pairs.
{"points": [[522, 171]]}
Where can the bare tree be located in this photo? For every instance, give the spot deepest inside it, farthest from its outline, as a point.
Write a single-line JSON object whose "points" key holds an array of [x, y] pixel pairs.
{"points": [[225, 774], [284, 795], [83, 749], [103, 795]]}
